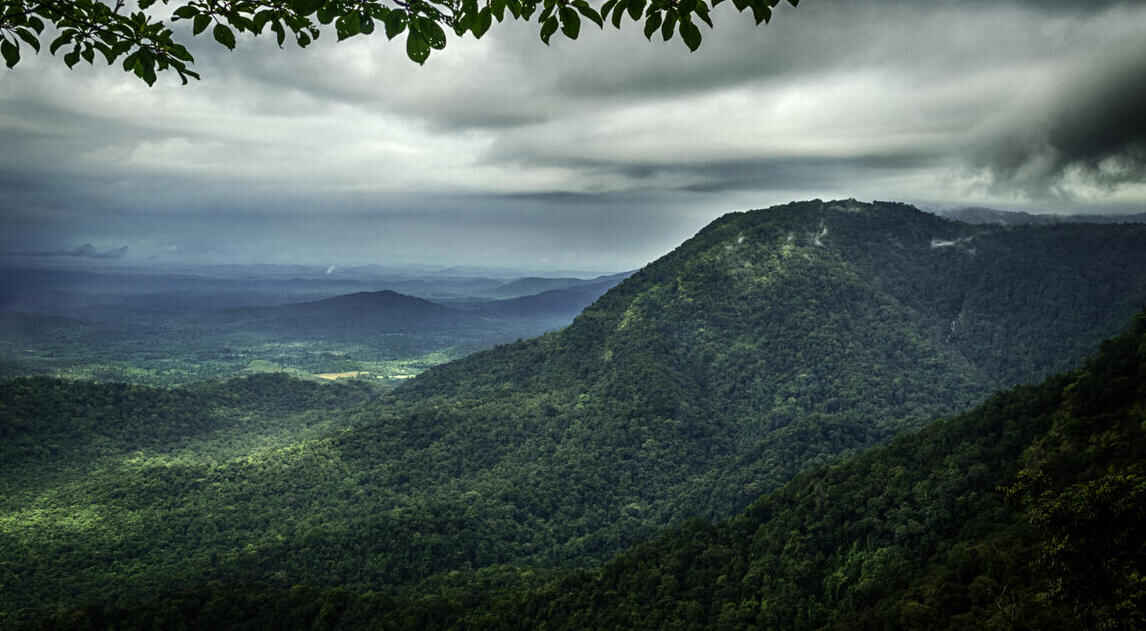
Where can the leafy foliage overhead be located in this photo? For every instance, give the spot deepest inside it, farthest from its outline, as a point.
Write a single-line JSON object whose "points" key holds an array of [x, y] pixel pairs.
{"points": [[140, 34]]}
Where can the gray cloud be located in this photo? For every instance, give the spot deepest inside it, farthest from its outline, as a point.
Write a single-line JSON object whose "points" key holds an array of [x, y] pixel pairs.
{"points": [[1093, 129], [607, 150]]}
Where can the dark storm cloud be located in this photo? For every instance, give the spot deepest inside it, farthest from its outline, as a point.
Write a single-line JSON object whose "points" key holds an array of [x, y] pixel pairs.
{"points": [[1094, 129], [749, 174]]}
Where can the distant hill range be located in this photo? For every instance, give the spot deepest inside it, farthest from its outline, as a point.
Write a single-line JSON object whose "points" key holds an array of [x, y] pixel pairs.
{"points": [[389, 311], [536, 285], [980, 215], [364, 312], [565, 297]]}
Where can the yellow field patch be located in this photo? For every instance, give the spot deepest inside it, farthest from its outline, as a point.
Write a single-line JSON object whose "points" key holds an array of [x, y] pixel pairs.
{"points": [[341, 375]]}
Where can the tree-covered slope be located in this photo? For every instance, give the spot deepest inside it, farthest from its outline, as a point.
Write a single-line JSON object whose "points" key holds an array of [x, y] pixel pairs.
{"points": [[776, 339], [1028, 512], [772, 342]]}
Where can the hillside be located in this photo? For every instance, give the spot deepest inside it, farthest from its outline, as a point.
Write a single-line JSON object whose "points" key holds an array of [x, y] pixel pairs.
{"points": [[1024, 513], [773, 342]]}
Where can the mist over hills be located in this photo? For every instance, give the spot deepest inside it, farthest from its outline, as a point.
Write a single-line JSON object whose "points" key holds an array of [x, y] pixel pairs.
{"points": [[980, 215], [772, 342]]}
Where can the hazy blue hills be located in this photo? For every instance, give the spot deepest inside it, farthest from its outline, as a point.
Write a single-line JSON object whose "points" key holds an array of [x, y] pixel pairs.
{"points": [[361, 312], [536, 285], [564, 302], [773, 342], [980, 215]]}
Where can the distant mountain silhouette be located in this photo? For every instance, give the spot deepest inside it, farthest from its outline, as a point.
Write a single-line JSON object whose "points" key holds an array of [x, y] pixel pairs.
{"points": [[363, 312], [981, 215], [565, 302]]}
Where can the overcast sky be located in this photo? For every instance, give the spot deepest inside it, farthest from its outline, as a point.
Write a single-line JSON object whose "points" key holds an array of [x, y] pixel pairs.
{"points": [[599, 154]]}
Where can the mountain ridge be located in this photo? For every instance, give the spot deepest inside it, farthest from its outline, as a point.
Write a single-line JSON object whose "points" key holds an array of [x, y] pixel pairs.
{"points": [[770, 343]]}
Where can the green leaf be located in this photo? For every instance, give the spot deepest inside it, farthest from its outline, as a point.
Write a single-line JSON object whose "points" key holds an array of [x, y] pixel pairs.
{"points": [[59, 42], [348, 26], [417, 49], [224, 36], [395, 24], [302, 39], [186, 12], [482, 21], [305, 7], [548, 28], [36, 23], [701, 9], [180, 52], [761, 12], [690, 33], [88, 53], [145, 68], [497, 8], [636, 7], [280, 32], [261, 18], [570, 22], [29, 37], [432, 32], [793, 2], [202, 21], [589, 12], [327, 13], [607, 7], [108, 53], [668, 25], [367, 25], [619, 13], [652, 24], [72, 58], [11, 53]]}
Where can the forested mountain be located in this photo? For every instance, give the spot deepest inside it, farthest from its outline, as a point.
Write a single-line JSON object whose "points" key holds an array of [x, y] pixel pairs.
{"points": [[772, 342], [1024, 513], [1028, 512]]}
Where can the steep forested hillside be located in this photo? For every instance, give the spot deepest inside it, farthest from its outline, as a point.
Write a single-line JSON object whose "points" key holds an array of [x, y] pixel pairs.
{"points": [[1028, 512], [772, 342]]}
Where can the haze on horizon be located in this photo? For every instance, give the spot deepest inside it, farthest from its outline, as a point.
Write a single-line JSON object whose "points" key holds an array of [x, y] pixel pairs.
{"points": [[600, 154]]}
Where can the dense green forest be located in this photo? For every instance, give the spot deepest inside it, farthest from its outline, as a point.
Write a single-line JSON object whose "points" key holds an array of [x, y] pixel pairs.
{"points": [[1028, 512], [772, 343]]}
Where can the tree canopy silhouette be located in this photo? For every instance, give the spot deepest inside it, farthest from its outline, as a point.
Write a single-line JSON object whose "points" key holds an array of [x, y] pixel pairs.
{"points": [[139, 35]]}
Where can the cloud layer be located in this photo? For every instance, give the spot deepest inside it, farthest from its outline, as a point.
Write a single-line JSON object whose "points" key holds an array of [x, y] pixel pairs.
{"points": [[602, 152]]}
